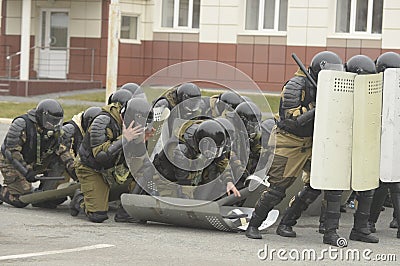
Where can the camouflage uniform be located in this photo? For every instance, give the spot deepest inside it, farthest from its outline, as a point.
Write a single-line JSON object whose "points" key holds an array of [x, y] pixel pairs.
{"points": [[292, 138], [179, 148], [97, 168], [30, 147]]}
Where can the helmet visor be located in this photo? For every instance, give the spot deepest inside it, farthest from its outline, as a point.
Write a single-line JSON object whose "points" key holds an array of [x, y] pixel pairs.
{"points": [[191, 105], [329, 66], [253, 128], [51, 122], [209, 149]]}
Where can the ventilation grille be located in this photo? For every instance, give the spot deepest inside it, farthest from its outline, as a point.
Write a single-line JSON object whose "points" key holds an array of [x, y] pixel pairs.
{"points": [[343, 85]]}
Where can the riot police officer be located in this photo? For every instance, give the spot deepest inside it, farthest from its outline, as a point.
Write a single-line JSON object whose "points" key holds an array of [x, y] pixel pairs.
{"points": [[189, 159], [133, 88], [174, 96], [362, 65], [217, 105], [384, 61], [249, 139], [100, 162], [75, 129], [119, 96], [293, 139], [32, 147]]}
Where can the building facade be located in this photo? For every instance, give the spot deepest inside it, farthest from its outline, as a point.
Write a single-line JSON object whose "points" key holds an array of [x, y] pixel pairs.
{"points": [[69, 38]]}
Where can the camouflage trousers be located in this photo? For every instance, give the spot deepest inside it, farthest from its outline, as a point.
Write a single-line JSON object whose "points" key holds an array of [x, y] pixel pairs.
{"points": [[292, 156], [15, 184], [96, 190]]}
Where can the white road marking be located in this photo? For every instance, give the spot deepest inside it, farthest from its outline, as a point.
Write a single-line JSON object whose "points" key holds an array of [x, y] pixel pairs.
{"points": [[51, 252]]}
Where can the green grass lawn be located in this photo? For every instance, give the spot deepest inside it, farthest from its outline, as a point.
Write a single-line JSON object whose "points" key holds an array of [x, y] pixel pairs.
{"points": [[14, 109], [153, 93]]}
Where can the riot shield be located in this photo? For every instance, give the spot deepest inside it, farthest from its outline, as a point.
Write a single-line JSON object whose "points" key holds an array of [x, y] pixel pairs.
{"points": [[191, 213], [332, 140], [176, 211], [390, 138], [366, 131], [63, 190]]}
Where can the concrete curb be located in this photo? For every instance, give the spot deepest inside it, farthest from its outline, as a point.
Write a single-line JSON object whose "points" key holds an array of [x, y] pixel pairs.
{"points": [[5, 120]]}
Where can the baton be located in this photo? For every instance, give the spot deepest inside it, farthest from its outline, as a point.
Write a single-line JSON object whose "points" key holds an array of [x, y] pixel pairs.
{"points": [[43, 178], [303, 68]]}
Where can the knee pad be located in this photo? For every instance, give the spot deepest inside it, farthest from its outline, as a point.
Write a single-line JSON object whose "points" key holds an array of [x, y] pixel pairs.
{"points": [[308, 194], [333, 195]]}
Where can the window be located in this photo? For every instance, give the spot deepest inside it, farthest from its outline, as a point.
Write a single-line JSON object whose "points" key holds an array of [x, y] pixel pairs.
{"points": [[359, 16], [266, 15], [180, 14], [129, 27]]}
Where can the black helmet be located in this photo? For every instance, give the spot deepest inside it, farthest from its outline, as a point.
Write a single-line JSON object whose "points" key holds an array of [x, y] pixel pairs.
{"points": [[250, 115], [49, 114], [133, 88], [187, 91], [387, 60], [188, 95], [138, 110], [210, 138], [230, 131], [360, 64], [228, 98], [321, 61], [120, 96], [89, 115], [227, 125]]}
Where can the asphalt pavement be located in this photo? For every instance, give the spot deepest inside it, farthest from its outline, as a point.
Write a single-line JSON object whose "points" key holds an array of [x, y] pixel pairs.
{"points": [[34, 236]]}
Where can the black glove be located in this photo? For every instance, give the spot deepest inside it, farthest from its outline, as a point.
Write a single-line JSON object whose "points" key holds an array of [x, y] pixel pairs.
{"points": [[31, 176], [72, 173]]}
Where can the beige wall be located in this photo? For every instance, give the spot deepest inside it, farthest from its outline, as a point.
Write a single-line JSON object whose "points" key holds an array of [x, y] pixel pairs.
{"points": [[391, 24], [85, 16], [310, 22]]}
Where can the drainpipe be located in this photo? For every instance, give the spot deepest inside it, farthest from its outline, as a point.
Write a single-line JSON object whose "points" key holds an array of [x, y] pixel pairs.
{"points": [[25, 39], [112, 48]]}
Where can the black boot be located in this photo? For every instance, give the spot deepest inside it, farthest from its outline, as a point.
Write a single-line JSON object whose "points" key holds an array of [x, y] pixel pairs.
{"points": [[393, 223], [76, 203], [395, 195], [11, 199], [253, 232], [376, 205], [297, 205], [363, 235], [371, 227], [322, 216], [332, 216], [268, 200], [360, 231], [97, 217]]}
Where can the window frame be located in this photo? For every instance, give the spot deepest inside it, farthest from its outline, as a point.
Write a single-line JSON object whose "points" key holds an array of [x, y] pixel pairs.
{"points": [[175, 21], [138, 38], [260, 26], [353, 17]]}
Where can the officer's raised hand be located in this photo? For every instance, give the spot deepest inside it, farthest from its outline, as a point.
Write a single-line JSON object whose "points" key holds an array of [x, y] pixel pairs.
{"points": [[231, 187], [130, 133]]}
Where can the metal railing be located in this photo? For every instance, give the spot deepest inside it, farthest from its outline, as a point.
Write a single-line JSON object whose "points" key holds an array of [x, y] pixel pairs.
{"points": [[77, 64]]}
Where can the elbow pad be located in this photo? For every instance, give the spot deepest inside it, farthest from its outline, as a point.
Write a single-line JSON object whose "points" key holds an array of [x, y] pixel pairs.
{"points": [[111, 154], [306, 117]]}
